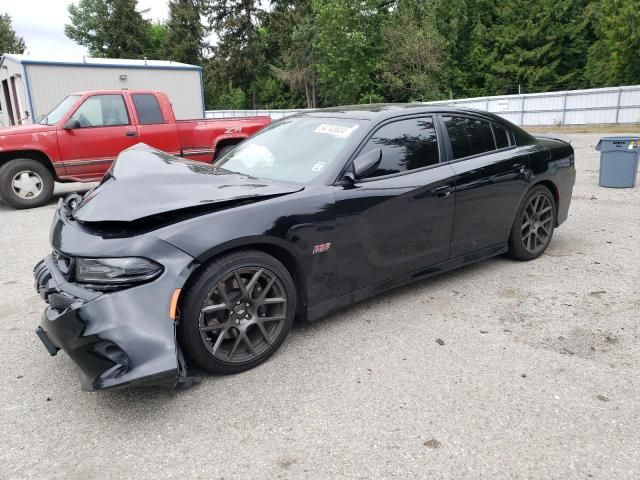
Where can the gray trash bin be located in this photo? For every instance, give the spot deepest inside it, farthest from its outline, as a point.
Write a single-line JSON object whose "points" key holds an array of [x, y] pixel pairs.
{"points": [[618, 161]]}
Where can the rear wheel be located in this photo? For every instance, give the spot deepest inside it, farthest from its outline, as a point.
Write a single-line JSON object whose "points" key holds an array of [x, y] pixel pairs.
{"points": [[534, 225], [25, 183], [237, 312]]}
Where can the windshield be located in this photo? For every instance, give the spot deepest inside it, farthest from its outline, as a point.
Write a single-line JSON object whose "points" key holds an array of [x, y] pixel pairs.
{"points": [[296, 149], [59, 111]]}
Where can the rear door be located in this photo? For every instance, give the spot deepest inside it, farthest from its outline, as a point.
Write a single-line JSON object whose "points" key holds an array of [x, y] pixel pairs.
{"points": [[97, 131], [399, 218], [492, 175], [154, 128]]}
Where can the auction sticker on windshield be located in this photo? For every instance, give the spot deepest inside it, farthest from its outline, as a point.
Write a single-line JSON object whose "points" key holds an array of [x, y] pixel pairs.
{"points": [[338, 131]]}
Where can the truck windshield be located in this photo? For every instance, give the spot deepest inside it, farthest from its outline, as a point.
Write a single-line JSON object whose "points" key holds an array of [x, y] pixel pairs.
{"points": [[296, 149], [59, 111]]}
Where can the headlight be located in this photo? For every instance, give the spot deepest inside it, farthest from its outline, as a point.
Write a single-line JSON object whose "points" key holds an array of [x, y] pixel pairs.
{"points": [[112, 271]]}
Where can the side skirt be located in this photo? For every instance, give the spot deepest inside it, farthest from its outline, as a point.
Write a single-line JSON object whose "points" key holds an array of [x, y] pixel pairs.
{"points": [[338, 303]]}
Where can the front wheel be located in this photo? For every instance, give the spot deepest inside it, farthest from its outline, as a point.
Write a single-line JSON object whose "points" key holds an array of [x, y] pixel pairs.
{"points": [[534, 225], [25, 183], [237, 312]]}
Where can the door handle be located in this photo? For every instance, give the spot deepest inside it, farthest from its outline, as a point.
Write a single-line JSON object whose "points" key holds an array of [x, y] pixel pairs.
{"points": [[444, 191], [131, 134]]}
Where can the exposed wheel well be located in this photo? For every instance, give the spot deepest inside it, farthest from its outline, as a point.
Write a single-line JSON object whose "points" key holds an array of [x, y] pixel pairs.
{"points": [[36, 155], [554, 191], [227, 142], [284, 257]]}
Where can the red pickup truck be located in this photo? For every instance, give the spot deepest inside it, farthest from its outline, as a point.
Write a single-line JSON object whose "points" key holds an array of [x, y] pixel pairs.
{"points": [[79, 138]]}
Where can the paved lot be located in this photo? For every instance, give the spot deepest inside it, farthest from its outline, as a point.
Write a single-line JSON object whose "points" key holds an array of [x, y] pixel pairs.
{"points": [[536, 375]]}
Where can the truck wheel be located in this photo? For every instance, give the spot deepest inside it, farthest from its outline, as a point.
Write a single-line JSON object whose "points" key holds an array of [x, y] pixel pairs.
{"points": [[25, 183]]}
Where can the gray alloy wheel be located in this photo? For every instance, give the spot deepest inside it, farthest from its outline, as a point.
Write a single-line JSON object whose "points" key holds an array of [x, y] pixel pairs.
{"points": [[243, 314], [537, 223], [534, 224], [236, 311]]}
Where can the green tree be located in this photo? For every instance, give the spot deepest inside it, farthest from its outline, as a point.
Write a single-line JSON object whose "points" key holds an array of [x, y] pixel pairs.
{"points": [[292, 39], [539, 45], [156, 41], [185, 33], [10, 42], [614, 56], [348, 45], [109, 28], [411, 67], [238, 52]]}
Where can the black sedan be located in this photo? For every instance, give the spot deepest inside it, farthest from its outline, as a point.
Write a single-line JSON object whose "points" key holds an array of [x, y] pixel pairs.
{"points": [[169, 264]]}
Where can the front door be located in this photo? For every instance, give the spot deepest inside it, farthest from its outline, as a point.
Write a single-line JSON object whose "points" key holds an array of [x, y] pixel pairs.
{"points": [[492, 175], [399, 218], [94, 135]]}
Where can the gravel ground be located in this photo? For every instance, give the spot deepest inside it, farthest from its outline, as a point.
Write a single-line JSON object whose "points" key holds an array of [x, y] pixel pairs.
{"points": [[498, 370]]}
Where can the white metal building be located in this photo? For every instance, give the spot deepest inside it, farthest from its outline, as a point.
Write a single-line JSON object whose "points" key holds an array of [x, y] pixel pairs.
{"points": [[32, 86]]}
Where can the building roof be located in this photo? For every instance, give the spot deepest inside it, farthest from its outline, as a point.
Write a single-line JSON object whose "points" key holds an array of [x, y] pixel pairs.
{"points": [[87, 61]]}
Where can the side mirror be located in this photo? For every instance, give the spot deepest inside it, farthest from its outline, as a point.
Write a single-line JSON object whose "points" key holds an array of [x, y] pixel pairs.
{"points": [[71, 124], [367, 163]]}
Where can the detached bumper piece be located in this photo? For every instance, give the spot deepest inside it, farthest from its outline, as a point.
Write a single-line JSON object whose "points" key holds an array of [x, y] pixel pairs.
{"points": [[105, 334], [48, 344]]}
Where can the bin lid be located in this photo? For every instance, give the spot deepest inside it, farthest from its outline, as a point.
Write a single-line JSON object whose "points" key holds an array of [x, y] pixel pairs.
{"points": [[630, 142]]}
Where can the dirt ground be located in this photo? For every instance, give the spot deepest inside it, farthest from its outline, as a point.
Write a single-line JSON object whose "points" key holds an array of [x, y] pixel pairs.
{"points": [[501, 369]]}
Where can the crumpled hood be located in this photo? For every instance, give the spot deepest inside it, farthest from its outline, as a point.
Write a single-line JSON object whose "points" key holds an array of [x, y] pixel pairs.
{"points": [[143, 182]]}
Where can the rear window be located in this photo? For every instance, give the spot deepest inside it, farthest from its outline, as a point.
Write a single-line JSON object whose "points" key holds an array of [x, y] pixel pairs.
{"points": [[469, 136], [502, 136], [148, 108]]}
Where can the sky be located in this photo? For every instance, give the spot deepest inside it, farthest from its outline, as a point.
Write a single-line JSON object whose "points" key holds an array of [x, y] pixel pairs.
{"points": [[41, 24]]}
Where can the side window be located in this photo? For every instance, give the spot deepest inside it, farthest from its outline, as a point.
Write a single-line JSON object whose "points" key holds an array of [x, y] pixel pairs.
{"points": [[148, 108], [501, 135], [469, 136], [101, 111], [406, 145]]}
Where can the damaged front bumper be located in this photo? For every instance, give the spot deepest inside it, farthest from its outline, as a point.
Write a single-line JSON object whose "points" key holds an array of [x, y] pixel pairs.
{"points": [[116, 338]]}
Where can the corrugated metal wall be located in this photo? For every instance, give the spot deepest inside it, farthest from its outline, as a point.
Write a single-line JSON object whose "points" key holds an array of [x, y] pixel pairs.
{"points": [[51, 83], [575, 107], [274, 114]]}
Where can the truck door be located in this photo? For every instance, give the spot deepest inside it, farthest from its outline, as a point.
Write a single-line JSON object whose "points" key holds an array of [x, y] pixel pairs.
{"points": [[154, 128], [94, 135]]}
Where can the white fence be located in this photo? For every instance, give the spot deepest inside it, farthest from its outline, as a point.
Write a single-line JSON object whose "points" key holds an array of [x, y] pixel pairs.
{"points": [[572, 107]]}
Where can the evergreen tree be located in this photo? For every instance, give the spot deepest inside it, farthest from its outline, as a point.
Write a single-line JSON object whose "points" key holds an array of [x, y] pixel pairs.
{"points": [[109, 28], [10, 42], [614, 56], [291, 48], [348, 45], [185, 33], [411, 67], [238, 53]]}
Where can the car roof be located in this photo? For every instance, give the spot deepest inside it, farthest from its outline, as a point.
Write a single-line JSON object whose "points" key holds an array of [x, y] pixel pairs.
{"points": [[383, 111]]}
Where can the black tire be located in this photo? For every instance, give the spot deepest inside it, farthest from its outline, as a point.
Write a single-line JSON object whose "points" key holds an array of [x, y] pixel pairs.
{"points": [[229, 336], [534, 225], [222, 151], [38, 177]]}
